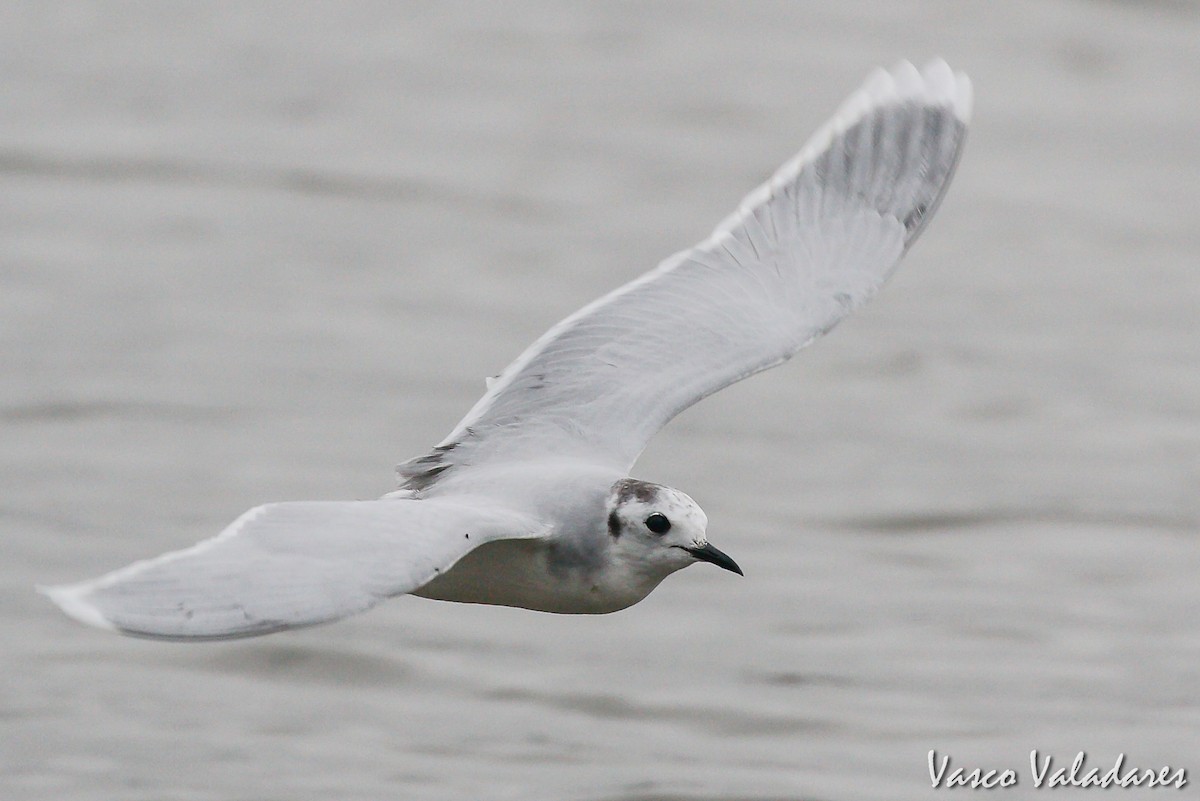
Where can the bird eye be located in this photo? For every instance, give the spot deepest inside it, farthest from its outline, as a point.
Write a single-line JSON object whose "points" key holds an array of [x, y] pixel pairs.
{"points": [[658, 523]]}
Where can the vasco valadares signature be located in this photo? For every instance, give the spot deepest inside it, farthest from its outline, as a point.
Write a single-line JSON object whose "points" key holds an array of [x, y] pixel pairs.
{"points": [[1046, 775]]}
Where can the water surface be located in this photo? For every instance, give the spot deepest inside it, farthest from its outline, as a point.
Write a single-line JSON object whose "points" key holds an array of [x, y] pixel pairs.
{"points": [[251, 255]]}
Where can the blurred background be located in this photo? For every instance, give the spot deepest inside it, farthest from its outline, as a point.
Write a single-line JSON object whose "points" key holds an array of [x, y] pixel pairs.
{"points": [[255, 252]]}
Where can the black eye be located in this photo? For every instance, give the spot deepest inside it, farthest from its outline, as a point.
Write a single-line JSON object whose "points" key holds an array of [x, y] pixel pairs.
{"points": [[657, 523]]}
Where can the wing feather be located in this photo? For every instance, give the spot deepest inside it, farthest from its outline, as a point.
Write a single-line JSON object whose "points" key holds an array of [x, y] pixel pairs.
{"points": [[800, 253], [286, 565]]}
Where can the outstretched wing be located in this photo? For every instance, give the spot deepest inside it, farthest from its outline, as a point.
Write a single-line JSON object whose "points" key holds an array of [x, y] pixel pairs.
{"points": [[285, 565], [801, 253]]}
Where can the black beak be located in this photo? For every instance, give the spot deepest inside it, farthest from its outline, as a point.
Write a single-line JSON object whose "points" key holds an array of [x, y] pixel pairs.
{"points": [[707, 553]]}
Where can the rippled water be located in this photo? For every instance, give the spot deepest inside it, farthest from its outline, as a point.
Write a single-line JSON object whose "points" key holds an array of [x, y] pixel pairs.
{"points": [[252, 254]]}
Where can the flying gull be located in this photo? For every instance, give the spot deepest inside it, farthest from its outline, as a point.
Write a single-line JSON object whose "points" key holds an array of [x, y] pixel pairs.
{"points": [[528, 502]]}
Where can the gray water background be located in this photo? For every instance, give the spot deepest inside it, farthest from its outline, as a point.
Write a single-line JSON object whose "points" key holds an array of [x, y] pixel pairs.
{"points": [[255, 252]]}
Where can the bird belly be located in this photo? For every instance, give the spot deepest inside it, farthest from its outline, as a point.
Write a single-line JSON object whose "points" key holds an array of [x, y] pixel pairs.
{"points": [[524, 573]]}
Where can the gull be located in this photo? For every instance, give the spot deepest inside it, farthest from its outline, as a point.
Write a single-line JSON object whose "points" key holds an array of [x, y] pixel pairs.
{"points": [[528, 502]]}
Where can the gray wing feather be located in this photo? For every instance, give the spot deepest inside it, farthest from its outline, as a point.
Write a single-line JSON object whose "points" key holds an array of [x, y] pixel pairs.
{"points": [[286, 565], [799, 254]]}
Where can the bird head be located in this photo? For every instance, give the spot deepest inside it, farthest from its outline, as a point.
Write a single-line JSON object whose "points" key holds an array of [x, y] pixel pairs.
{"points": [[660, 529]]}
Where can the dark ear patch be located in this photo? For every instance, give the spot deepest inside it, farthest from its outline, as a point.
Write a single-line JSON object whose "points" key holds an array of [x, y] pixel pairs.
{"points": [[614, 524]]}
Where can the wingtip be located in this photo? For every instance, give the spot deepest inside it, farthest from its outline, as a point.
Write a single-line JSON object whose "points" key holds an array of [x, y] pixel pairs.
{"points": [[934, 83], [963, 98], [70, 598], [907, 78], [938, 76], [950, 86]]}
